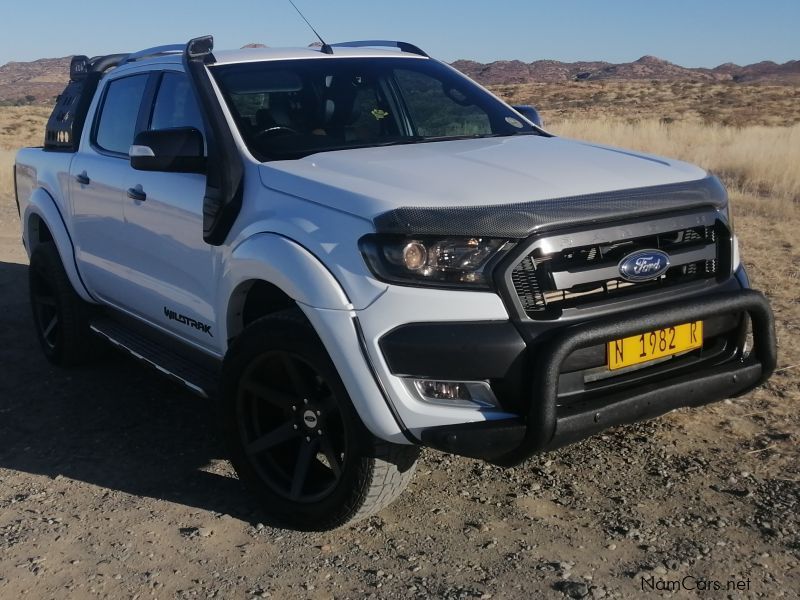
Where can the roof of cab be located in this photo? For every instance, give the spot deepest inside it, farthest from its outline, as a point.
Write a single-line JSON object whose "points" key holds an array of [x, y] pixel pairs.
{"points": [[262, 54], [170, 55]]}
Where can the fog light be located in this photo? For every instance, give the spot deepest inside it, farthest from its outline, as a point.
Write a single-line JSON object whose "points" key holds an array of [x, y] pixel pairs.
{"points": [[454, 393], [443, 390]]}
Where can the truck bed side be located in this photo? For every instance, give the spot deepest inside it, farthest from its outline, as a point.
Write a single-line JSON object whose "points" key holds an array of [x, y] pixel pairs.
{"points": [[42, 186], [37, 168]]}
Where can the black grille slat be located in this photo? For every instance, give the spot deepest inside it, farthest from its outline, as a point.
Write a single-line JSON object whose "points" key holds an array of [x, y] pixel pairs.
{"points": [[534, 285], [526, 283]]}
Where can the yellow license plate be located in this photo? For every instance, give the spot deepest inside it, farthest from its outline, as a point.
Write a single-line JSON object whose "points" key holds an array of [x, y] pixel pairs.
{"points": [[656, 344]]}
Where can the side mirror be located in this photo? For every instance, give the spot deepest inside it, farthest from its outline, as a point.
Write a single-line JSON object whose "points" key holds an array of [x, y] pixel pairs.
{"points": [[178, 150], [530, 113]]}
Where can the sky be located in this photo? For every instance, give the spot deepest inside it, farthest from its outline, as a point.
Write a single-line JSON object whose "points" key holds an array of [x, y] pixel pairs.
{"points": [[693, 33]]}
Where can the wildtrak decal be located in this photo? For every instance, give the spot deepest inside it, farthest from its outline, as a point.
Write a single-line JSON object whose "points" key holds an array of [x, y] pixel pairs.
{"points": [[174, 316]]}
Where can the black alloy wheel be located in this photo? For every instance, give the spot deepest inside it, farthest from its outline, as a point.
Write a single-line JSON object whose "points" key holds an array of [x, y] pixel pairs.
{"points": [[60, 316], [295, 438], [43, 303], [291, 427]]}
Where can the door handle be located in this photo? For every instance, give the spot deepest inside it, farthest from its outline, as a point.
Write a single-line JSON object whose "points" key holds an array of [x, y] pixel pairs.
{"points": [[83, 178], [137, 194]]}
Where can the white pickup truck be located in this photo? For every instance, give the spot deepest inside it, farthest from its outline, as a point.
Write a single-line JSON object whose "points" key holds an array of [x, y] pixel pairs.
{"points": [[358, 251]]}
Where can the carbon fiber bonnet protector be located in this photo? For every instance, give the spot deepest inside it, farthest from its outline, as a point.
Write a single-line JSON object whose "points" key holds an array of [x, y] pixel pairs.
{"points": [[523, 219]]}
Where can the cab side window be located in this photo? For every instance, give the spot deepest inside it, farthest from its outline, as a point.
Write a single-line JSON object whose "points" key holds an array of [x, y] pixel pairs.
{"points": [[117, 124], [175, 104]]}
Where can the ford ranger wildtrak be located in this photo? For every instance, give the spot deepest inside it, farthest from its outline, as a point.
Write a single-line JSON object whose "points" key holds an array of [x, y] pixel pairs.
{"points": [[357, 251]]}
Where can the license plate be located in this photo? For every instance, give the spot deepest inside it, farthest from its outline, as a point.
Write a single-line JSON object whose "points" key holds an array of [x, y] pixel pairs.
{"points": [[656, 344]]}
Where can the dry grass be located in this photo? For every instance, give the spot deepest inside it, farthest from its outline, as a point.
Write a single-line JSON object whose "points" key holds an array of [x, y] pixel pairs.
{"points": [[19, 126], [757, 160], [22, 126], [726, 104], [6, 174]]}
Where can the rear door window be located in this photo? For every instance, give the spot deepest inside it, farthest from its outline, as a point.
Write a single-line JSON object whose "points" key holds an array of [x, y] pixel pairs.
{"points": [[117, 124]]}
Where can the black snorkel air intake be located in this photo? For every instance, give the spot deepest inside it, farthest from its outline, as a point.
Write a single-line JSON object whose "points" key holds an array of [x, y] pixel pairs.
{"points": [[225, 174]]}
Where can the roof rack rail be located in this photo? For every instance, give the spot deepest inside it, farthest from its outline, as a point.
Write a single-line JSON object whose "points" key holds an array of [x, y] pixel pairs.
{"points": [[403, 46], [156, 51], [81, 66]]}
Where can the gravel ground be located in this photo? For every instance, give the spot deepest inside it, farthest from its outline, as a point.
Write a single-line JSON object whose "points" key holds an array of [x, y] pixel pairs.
{"points": [[113, 484]]}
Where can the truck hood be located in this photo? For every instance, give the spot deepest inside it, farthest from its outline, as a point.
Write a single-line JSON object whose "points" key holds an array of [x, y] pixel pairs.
{"points": [[509, 172]]}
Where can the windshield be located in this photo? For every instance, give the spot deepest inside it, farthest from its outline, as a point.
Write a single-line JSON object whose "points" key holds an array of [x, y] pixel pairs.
{"points": [[293, 108]]}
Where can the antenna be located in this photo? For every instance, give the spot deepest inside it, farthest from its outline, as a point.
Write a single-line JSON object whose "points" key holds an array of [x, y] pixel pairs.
{"points": [[325, 47]]}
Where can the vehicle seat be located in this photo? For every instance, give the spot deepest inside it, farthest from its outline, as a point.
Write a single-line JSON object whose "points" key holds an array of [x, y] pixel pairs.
{"points": [[280, 109], [339, 109]]}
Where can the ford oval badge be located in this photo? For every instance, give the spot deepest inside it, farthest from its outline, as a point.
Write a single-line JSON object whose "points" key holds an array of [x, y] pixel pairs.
{"points": [[644, 265]]}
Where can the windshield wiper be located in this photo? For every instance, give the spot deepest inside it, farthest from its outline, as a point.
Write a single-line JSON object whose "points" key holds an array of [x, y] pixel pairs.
{"points": [[477, 136], [302, 152], [412, 139]]}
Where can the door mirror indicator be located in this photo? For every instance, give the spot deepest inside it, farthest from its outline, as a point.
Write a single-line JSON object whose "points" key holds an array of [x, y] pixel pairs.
{"points": [[139, 151], [530, 113], [178, 150]]}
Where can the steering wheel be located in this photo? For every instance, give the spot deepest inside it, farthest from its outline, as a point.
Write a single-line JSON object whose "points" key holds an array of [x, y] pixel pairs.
{"points": [[274, 130]]}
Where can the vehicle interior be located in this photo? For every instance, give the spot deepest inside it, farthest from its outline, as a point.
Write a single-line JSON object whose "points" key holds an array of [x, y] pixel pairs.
{"points": [[287, 110]]}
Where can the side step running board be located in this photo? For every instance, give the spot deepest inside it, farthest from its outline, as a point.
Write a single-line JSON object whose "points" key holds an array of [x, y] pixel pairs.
{"points": [[198, 379]]}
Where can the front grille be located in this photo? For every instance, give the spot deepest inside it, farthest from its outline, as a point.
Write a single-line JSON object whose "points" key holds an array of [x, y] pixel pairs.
{"points": [[546, 283]]}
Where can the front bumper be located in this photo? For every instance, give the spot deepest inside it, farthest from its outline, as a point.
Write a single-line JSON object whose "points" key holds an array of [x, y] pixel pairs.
{"points": [[543, 420]]}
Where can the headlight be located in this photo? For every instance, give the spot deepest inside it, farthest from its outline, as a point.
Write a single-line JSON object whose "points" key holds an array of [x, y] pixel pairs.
{"points": [[434, 261]]}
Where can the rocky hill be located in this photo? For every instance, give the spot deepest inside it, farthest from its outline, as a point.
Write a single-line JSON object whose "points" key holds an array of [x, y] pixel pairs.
{"points": [[648, 67], [40, 81], [36, 82]]}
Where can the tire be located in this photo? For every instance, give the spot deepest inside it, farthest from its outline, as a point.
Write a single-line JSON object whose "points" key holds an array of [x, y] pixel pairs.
{"points": [[60, 316], [284, 406]]}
